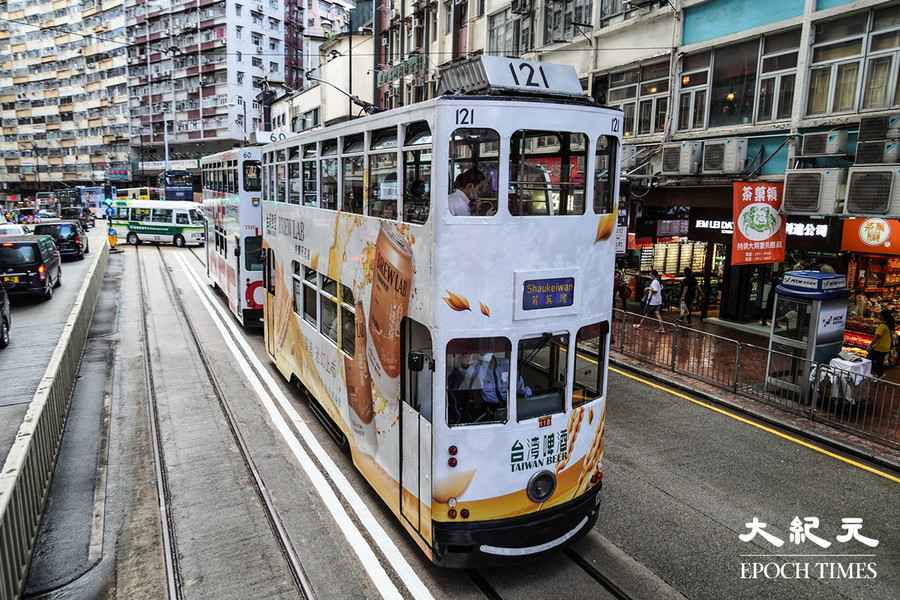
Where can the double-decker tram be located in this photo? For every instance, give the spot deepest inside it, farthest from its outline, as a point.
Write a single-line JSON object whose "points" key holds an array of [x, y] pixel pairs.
{"points": [[437, 277], [233, 209]]}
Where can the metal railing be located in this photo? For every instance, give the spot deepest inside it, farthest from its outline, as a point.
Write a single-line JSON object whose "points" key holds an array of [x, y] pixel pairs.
{"points": [[864, 405], [28, 469]]}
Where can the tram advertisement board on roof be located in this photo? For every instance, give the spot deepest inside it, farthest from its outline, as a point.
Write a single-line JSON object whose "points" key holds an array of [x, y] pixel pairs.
{"points": [[760, 233], [873, 235]]}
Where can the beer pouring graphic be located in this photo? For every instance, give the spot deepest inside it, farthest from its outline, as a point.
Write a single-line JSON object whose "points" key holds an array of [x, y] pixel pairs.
{"points": [[388, 305]]}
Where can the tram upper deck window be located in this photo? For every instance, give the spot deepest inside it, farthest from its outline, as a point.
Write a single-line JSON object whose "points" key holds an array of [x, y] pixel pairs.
{"points": [[546, 173], [541, 380], [417, 173], [294, 182], [384, 139], [252, 175], [329, 147], [253, 253], [281, 182], [383, 185], [474, 172], [352, 179], [590, 353], [328, 180], [294, 153], [310, 187], [354, 143], [309, 150], [478, 380], [604, 174]]}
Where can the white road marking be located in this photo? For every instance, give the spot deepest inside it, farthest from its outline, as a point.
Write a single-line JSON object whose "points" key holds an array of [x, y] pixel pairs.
{"points": [[393, 555]]}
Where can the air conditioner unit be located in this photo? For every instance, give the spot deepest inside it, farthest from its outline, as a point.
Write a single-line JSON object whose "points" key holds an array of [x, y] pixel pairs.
{"points": [[814, 191], [725, 156], [873, 129], [629, 157], [873, 191], [681, 159], [877, 153], [824, 143]]}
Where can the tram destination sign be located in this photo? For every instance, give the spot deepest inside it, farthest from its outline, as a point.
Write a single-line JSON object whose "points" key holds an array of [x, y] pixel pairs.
{"points": [[548, 293]]}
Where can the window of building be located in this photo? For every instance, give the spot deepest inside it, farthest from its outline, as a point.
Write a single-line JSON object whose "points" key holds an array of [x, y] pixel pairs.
{"points": [[590, 355], [352, 181], [560, 19], [474, 172], [777, 76], [546, 173], [257, 61], [240, 77], [238, 31], [883, 60], [237, 9], [642, 95], [417, 172], [605, 169], [508, 34], [733, 84], [273, 67], [448, 17], [835, 64], [478, 380], [693, 92]]}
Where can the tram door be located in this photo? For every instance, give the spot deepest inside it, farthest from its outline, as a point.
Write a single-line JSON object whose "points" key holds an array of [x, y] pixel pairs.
{"points": [[269, 308], [415, 426]]}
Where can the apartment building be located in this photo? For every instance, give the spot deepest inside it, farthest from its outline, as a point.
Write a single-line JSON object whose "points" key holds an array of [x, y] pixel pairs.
{"points": [[63, 93], [195, 69]]}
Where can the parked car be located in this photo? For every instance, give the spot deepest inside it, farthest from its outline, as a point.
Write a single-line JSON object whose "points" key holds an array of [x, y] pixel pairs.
{"points": [[30, 265], [5, 318], [69, 236], [12, 229], [75, 213]]}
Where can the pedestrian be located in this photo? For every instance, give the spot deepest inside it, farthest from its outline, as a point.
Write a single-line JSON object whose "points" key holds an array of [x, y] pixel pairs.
{"points": [[688, 296], [881, 344], [653, 301]]}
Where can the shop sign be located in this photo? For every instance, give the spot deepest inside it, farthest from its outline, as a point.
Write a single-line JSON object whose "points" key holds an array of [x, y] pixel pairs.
{"points": [[760, 233], [873, 235], [415, 64], [622, 228]]}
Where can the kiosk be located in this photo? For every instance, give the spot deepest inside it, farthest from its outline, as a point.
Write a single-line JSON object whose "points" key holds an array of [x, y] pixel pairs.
{"points": [[807, 326]]}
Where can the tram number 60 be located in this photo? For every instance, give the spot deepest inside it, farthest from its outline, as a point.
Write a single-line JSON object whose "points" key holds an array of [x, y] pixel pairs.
{"points": [[525, 68], [465, 116]]}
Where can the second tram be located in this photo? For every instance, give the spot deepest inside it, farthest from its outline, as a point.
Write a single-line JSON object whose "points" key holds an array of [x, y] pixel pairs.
{"points": [[437, 278], [233, 206]]}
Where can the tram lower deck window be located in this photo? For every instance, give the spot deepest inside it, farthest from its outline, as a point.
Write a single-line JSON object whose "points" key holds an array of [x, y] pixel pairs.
{"points": [[478, 380], [541, 380], [590, 357]]}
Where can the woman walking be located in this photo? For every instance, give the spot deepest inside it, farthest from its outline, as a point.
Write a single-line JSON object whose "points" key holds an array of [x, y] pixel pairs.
{"points": [[881, 345]]}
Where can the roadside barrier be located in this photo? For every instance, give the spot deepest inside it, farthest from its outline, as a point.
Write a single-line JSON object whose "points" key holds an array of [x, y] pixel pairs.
{"points": [[28, 470], [864, 405]]}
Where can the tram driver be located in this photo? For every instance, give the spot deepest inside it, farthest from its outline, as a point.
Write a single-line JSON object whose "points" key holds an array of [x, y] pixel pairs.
{"points": [[488, 375], [465, 192]]}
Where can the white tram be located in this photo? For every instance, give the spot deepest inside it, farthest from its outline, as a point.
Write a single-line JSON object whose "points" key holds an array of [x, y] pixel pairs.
{"points": [[437, 277], [232, 205]]}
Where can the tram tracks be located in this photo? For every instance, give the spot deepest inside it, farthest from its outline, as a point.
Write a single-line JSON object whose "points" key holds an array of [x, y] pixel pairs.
{"points": [[481, 579], [173, 575]]}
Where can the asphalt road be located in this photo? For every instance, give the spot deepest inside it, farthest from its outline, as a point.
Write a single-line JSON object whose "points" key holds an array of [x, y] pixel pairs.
{"points": [[36, 327], [681, 482]]}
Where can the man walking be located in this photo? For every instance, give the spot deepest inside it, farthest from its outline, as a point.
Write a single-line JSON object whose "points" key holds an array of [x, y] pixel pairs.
{"points": [[653, 300]]}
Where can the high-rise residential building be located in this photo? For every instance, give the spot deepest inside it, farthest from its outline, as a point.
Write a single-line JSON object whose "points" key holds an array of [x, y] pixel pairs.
{"points": [[63, 93], [195, 69]]}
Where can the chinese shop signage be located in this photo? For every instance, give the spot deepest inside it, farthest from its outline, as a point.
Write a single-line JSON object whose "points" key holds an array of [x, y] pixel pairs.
{"points": [[759, 231], [874, 235], [548, 293]]}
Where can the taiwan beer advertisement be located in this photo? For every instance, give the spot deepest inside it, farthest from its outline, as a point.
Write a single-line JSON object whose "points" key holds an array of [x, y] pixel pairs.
{"points": [[759, 230]]}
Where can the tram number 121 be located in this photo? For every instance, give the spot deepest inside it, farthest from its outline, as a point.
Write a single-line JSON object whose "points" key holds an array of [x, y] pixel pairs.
{"points": [[465, 116], [527, 72]]}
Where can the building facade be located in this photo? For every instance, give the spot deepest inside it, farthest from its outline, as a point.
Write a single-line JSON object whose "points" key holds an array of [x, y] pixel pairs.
{"points": [[63, 93]]}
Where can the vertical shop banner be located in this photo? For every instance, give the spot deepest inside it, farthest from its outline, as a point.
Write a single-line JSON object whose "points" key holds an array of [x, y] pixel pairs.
{"points": [[759, 231], [622, 228]]}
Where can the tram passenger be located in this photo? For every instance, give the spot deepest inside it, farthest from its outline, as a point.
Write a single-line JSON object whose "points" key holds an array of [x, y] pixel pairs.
{"points": [[465, 192]]}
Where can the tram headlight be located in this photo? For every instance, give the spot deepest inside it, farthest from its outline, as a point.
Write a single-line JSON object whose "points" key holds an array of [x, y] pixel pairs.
{"points": [[541, 486]]}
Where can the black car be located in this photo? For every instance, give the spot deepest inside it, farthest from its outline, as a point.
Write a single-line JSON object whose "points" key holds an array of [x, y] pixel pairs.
{"points": [[69, 236], [30, 264], [77, 213], [5, 318]]}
